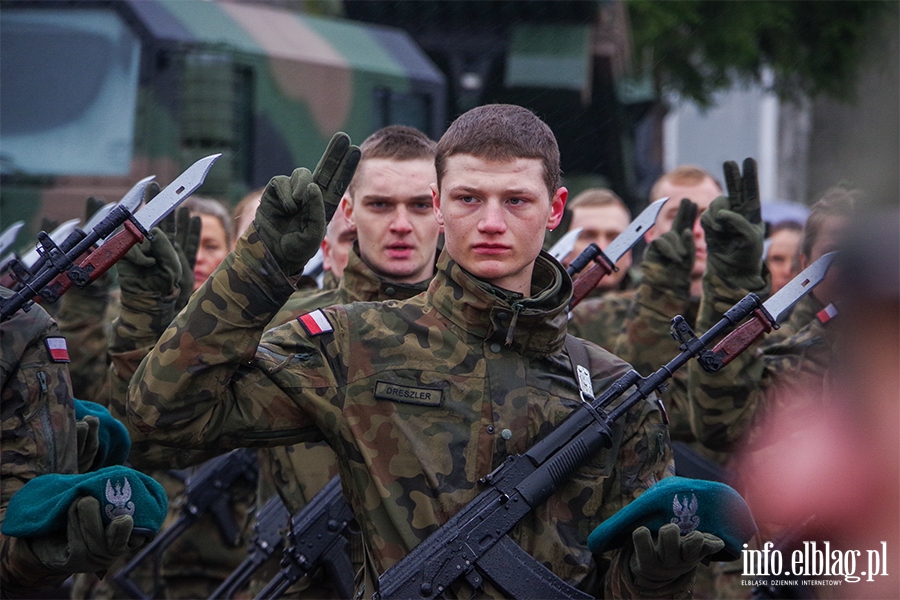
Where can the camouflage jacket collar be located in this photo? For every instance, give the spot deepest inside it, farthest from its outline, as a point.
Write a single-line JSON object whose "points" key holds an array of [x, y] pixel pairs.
{"points": [[360, 283], [534, 324]]}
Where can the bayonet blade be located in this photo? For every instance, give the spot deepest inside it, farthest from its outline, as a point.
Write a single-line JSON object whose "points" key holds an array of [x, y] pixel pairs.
{"points": [[8, 237], [798, 287], [564, 245], [57, 235], [626, 240], [130, 202], [175, 193]]}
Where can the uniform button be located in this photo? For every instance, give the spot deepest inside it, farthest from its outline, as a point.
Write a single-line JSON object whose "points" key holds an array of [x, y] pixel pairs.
{"points": [[506, 434], [390, 291], [490, 429], [502, 316], [495, 347]]}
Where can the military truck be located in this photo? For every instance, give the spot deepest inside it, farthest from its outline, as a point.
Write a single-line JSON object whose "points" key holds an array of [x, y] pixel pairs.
{"points": [[98, 94]]}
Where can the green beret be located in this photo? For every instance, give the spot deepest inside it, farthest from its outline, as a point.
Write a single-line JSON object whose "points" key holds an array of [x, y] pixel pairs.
{"points": [[693, 504], [115, 443], [42, 505]]}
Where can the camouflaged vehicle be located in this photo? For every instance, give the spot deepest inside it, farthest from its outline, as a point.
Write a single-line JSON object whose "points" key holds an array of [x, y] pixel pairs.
{"points": [[96, 95]]}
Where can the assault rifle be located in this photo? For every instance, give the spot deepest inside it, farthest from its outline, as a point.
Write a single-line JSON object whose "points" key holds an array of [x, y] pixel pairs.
{"points": [[206, 492], [267, 541], [316, 538], [61, 270], [474, 542]]}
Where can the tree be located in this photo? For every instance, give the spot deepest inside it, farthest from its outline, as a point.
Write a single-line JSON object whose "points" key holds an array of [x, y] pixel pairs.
{"points": [[696, 47]]}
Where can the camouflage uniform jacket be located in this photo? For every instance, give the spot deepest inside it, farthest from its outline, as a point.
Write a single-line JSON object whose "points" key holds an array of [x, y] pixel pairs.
{"points": [[419, 399], [727, 406], [645, 341], [300, 472], [38, 431], [601, 319], [85, 319]]}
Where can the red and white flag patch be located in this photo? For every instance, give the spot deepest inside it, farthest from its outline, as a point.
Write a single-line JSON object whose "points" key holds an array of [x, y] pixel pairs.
{"points": [[827, 313], [59, 351], [315, 323]]}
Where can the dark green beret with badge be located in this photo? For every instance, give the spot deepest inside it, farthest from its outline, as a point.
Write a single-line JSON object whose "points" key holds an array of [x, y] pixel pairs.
{"points": [[692, 504], [114, 441], [41, 506]]}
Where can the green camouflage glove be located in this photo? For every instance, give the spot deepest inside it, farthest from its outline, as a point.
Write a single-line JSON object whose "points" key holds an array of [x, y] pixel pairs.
{"points": [[183, 231], [87, 432], [670, 257], [291, 216], [86, 546], [150, 268], [658, 563], [735, 231]]}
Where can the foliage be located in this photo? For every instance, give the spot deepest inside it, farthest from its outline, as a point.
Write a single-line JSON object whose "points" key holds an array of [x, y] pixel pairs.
{"points": [[697, 47]]}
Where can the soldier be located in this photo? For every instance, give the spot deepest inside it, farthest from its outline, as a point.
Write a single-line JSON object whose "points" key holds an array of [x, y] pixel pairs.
{"points": [[422, 398], [599, 317], [215, 235], [726, 406], [39, 436], [388, 206], [783, 252]]}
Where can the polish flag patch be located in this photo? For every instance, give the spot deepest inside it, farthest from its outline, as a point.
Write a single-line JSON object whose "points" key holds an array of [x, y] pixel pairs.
{"points": [[827, 313], [59, 351], [315, 323]]}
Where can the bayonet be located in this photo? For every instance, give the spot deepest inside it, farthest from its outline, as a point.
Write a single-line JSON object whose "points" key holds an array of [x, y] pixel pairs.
{"points": [[564, 245], [56, 236], [129, 202], [604, 261], [53, 281], [8, 237], [769, 316], [137, 226]]}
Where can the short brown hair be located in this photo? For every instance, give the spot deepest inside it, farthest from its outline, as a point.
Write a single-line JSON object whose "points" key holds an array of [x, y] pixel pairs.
{"points": [[396, 142], [836, 202], [598, 197], [501, 132], [684, 175]]}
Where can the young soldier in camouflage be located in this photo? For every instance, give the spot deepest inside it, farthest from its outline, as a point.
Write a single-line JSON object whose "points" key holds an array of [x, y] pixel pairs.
{"points": [[39, 436], [421, 398], [599, 317], [388, 204], [726, 407]]}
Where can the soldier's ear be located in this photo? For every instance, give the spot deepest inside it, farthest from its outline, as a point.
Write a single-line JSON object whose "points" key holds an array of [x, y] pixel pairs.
{"points": [[346, 205], [436, 204]]}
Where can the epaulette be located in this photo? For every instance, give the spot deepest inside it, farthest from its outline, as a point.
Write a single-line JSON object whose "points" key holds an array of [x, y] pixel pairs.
{"points": [[315, 323]]}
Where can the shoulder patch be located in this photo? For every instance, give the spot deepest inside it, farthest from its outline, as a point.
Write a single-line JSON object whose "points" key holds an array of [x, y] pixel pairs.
{"points": [[827, 314], [59, 351], [315, 323]]}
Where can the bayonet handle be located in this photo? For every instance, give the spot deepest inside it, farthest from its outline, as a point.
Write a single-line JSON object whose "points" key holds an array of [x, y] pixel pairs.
{"points": [[590, 278], [96, 264]]}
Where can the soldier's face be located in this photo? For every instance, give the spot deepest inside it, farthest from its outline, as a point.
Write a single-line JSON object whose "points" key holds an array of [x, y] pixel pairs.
{"points": [[339, 238], [212, 250], [495, 215], [392, 213], [702, 195]]}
